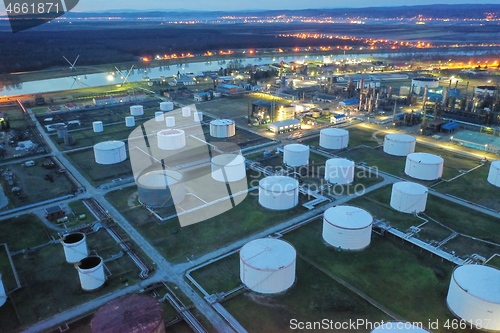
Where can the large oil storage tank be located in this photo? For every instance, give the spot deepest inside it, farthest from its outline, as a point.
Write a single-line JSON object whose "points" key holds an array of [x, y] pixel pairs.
{"points": [[424, 166], [136, 110], [171, 139], [494, 173], [166, 106], [278, 192], [91, 273], [419, 83], [222, 128], [160, 188], [399, 144], [267, 265], [333, 138], [394, 326], [408, 197], [339, 171], [347, 227], [474, 295], [3, 294], [130, 121], [296, 155], [133, 313], [110, 152], [97, 126], [159, 116], [228, 167], [75, 247], [170, 121]]}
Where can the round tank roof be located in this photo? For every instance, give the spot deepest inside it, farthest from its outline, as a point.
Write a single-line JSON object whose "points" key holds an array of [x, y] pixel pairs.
{"points": [[159, 178], [228, 160], [495, 164], [296, 147], [340, 162], [222, 122], [348, 217], [410, 188], [268, 254], [109, 145], [168, 132], [130, 313], [400, 137], [426, 79], [425, 158], [334, 132], [278, 184], [480, 281]]}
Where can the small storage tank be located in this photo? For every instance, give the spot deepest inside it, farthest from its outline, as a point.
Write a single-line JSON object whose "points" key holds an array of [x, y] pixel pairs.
{"points": [[166, 106], [394, 326], [198, 116], [424, 166], [130, 121], [171, 139], [159, 116], [132, 313], [62, 131], [75, 247], [136, 110], [110, 152], [399, 144], [91, 273], [408, 197], [170, 121], [186, 111], [494, 173], [267, 265], [160, 188], [97, 126], [69, 140], [347, 227], [333, 138], [3, 294], [278, 192], [222, 128], [339, 171], [228, 168], [296, 155], [474, 295]]}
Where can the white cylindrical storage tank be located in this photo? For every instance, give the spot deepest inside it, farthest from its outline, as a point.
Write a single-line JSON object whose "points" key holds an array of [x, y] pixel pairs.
{"points": [[222, 128], [75, 247], [408, 197], [228, 168], [424, 166], [171, 139], [474, 295], [399, 144], [97, 126], [166, 106], [110, 152], [130, 121], [267, 265], [3, 294], [333, 138], [186, 111], [296, 155], [136, 110], [339, 171], [347, 227], [198, 116], [419, 83], [394, 326], [170, 121], [91, 273], [278, 192], [160, 188], [159, 116], [494, 173]]}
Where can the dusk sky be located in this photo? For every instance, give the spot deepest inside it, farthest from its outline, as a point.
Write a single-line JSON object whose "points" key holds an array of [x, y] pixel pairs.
{"points": [[93, 5]]}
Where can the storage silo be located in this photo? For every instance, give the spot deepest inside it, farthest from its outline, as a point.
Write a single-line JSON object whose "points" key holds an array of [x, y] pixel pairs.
{"points": [[267, 265], [222, 128], [278, 192], [110, 152], [132, 313], [424, 166], [394, 326], [91, 273], [62, 130], [75, 247], [474, 295], [347, 227], [339, 171], [69, 140], [186, 111], [3, 294], [136, 110], [166, 106], [408, 197], [170, 121], [296, 155], [160, 188], [399, 144], [171, 139], [333, 138], [130, 121], [159, 117], [97, 126], [198, 116], [494, 173], [228, 167]]}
